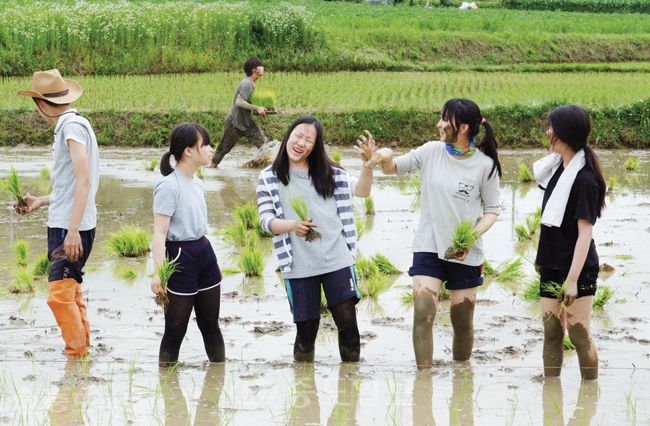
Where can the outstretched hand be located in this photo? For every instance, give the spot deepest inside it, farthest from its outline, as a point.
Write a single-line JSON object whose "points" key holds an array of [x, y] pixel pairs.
{"points": [[365, 147]]}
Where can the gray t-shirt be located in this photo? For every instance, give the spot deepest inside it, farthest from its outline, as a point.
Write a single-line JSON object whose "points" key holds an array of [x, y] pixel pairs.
{"points": [[452, 190], [321, 256], [64, 182], [240, 117], [184, 200]]}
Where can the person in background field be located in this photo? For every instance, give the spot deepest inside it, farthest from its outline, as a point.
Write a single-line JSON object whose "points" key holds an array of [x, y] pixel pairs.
{"points": [[239, 122], [303, 168], [72, 213], [180, 226], [458, 181], [574, 197]]}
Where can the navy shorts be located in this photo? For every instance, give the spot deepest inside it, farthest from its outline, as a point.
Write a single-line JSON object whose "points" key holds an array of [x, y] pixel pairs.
{"points": [[304, 293], [197, 270], [458, 276], [586, 281], [60, 267]]}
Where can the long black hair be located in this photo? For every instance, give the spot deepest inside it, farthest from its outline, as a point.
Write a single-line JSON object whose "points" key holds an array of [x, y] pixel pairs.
{"points": [[463, 111], [184, 135], [572, 125], [320, 165]]}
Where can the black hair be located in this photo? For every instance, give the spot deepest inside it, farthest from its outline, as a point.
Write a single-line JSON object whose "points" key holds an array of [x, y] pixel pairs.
{"points": [[52, 104], [320, 166], [572, 125], [463, 111], [184, 135], [251, 64]]}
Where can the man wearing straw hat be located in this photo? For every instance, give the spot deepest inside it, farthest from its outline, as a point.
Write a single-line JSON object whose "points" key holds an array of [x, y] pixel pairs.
{"points": [[72, 215]]}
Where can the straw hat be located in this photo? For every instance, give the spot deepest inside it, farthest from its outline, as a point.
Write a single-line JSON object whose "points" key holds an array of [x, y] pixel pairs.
{"points": [[49, 85]]}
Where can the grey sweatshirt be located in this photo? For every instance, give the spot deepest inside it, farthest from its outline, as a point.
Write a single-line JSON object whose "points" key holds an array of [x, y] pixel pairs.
{"points": [[452, 190]]}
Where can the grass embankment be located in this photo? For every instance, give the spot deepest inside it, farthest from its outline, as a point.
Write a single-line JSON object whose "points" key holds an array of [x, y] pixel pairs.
{"points": [[596, 6], [515, 126], [115, 38]]}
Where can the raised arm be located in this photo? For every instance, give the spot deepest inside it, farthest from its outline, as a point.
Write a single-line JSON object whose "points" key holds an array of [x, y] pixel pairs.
{"points": [[365, 147]]}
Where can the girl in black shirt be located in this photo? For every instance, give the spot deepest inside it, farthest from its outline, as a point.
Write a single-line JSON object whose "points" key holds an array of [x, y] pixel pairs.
{"points": [[566, 253]]}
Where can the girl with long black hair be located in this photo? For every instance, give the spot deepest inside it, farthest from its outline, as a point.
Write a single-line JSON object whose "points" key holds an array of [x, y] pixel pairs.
{"points": [[574, 197], [459, 177], [302, 169], [180, 226]]}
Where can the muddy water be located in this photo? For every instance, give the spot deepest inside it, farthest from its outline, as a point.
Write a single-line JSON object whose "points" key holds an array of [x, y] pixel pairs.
{"points": [[501, 384]]}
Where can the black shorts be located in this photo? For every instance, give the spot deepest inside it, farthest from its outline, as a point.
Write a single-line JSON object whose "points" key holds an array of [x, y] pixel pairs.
{"points": [[60, 267], [304, 293], [198, 268], [456, 275], [586, 282]]}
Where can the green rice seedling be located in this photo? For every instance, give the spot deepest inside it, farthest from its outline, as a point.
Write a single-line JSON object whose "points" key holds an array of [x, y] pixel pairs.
{"points": [[369, 205], [12, 186], [632, 163], [612, 183], [235, 234], [521, 232], [510, 270], [42, 265], [45, 173], [264, 98], [365, 268], [127, 273], [165, 271], [567, 344], [444, 293], [488, 270], [324, 310], [373, 286], [246, 214], [300, 207], [464, 237], [557, 291], [21, 252], [251, 260], [360, 222], [151, 164], [524, 174], [384, 265], [531, 291], [200, 172], [533, 223], [230, 270], [407, 297], [23, 280], [336, 156], [131, 241], [603, 295], [414, 184], [257, 226]]}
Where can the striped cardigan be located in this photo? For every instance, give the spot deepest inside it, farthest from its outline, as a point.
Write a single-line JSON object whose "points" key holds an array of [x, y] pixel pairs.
{"points": [[270, 208]]}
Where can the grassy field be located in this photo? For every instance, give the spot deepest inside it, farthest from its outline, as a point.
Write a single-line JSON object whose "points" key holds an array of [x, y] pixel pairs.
{"points": [[113, 38], [349, 90]]}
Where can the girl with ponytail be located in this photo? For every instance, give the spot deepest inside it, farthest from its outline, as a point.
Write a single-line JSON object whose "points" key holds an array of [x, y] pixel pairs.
{"points": [[574, 197], [459, 177], [180, 226]]}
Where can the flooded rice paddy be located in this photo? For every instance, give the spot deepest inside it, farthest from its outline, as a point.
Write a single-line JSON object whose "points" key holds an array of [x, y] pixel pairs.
{"points": [[259, 384]]}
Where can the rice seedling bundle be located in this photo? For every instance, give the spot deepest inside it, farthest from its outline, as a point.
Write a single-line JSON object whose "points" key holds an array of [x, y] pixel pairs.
{"points": [[360, 223], [251, 261], [127, 273], [603, 296], [150, 165], [369, 205], [165, 271], [372, 286], [246, 214], [336, 156], [568, 345], [257, 226], [531, 290], [632, 163], [612, 183], [12, 186], [464, 237], [407, 297], [445, 294], [235, 234], [524, 174], [510, 270], [365, 268], [42, 265], [131, 241], [23, 280], [384, 266], [488, 270], [300, 207], [21, 252], [230, 270], [264, 98], [45, 173]]}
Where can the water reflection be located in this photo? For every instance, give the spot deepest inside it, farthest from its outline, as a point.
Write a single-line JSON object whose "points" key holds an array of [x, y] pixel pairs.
{"points": [[307, 406], [461, 405], [423, 398], [347, 397], [70, 403], [553, 403]]}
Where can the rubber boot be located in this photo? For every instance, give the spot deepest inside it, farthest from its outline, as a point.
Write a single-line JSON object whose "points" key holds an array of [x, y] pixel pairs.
{"points": [[66, 312], [83, 312]]}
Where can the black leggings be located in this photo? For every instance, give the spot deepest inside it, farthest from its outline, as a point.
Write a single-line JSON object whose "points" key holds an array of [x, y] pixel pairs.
{"points": [[345, 317], [206, 306]]}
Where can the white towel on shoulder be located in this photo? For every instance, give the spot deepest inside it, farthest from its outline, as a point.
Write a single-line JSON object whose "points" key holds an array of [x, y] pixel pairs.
{"points": [[544, 170]]}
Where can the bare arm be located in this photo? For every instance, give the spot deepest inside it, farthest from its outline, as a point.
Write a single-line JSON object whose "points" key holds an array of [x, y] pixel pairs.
{"points": [[365, 147], [585, 234], [483, 225], [160, 228], [241, 103], [72, 242], [384, 157], [284, 226]]}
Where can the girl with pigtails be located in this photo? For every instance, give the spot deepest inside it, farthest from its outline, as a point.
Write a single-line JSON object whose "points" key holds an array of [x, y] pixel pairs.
{"points": [[180, 226], [459, 179]]}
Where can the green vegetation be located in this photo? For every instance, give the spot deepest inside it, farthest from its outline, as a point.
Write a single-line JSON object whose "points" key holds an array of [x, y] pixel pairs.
{"points": [[365, 268], [384, 265], [524, 174], [509, 271], [21, 252], [23, 280], [567, 343], [246, 214], [127, 273], [531, 291], [230, 270], [260, 231], [463, 238], [612, 184], [488, 270], [235, 234], [165, 271], [369, 205], [300, 207], [42, 265], [444, 293], [414, 184], [603, 296], [246, 218], [251, 261], [406, 297], [528, 230], [360, 223], [264, 98], [200, 172], [373, 286], [130, 242], [45, 173], [595, 6], [12, 186], [632, 163], [336, 156], [151, 164]]}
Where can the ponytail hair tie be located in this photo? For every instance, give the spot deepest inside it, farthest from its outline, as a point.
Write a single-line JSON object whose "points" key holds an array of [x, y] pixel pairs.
{"points": [[483, 121]]}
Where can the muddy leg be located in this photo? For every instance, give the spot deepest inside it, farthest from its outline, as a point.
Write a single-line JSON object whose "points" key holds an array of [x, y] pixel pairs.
{"points": [[580, 335], [462, 320], [554, 327], [303, 348], [345, 317], [425, 305]]}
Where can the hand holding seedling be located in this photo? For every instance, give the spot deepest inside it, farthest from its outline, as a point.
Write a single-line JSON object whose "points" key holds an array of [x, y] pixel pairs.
{"points": [[156, 286], [461, 254], [31, 204], [261, 111], [571, 291], [366, 147], [72, 246], [302, 227]]}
